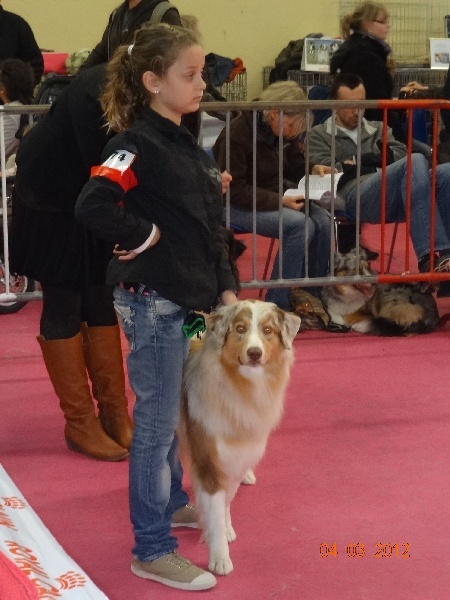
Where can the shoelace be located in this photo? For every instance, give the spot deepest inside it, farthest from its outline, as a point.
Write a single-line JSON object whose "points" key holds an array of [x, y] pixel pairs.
{"points": [[443, 264], [176, 560]]}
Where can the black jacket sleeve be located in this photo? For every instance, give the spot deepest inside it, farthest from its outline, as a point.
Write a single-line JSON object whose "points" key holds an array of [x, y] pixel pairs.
{"points": [[30, 52]]}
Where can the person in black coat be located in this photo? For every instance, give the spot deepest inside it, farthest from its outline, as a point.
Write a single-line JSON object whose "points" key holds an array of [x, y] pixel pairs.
{"points": [[122, 24], [17, 41], [78, 327], [366, 53]]}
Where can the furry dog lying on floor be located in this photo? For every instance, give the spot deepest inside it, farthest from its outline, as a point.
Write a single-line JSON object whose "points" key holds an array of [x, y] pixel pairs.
{"points": [[377, 309], [232, 398]]}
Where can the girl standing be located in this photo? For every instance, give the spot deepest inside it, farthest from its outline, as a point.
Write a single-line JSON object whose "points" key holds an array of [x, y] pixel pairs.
{"points": [[158, 196]]}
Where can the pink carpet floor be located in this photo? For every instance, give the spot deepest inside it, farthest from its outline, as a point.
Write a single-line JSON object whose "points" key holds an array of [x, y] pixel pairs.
{"points": [[360, 464]]}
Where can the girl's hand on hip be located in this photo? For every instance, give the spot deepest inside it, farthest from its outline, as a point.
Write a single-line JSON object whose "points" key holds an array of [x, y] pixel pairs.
{"points": [[124, 254], [130, 254]]}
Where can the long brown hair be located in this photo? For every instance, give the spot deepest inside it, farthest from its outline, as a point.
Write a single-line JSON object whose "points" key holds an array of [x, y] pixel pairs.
{"points": [[367, 11], [155, 48]]}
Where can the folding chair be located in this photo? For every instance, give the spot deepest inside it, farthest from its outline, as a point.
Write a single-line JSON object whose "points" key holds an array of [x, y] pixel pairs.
{"points": [[237, 230]]}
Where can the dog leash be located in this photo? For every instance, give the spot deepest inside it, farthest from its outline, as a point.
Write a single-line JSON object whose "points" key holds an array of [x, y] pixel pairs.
{"points": [[194, 323]]}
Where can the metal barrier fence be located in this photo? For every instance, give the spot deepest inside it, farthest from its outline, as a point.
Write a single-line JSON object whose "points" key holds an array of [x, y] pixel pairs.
{"points": [[409, 274], [5, 279]]}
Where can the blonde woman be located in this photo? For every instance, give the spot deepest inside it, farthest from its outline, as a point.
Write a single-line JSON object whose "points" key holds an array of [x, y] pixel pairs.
{"points": [[366, 52], [267, 186]]}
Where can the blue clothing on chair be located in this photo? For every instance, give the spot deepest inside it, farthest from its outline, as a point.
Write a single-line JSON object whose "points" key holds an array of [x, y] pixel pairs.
{"points": [[320, 92]]}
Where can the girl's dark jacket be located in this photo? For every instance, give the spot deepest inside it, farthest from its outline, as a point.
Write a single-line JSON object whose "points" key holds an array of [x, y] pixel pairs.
{"points": [[179, 189], [119, 32]]}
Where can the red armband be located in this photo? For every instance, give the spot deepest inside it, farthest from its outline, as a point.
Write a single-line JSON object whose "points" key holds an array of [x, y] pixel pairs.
{"points": [[118, 169]]}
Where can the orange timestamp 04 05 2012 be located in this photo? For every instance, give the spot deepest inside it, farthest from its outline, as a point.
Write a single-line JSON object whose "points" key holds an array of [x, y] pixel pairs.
{"points": [[360, 550]]}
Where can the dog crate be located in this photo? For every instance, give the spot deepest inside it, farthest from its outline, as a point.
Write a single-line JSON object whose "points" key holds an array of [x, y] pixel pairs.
{"points": [[235, 90], [404, 74], [266, 76], [309, 79]]}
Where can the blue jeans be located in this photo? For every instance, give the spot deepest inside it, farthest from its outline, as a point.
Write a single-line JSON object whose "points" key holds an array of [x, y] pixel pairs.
{"points": [[158, 350], [396, 177], [294, 235]]}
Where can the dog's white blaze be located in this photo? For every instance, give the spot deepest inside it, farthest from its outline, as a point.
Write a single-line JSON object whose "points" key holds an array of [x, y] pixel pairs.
{"points": [[263, 416], [254, 334], [251, 372], [236, 461]]}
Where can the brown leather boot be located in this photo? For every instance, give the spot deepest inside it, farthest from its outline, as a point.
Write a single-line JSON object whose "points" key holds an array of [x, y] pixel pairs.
{"points": [[104, 362], [64, 360]]}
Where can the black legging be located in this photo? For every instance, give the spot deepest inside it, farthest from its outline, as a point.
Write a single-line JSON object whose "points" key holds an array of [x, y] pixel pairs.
{"points": [[64, 310]]}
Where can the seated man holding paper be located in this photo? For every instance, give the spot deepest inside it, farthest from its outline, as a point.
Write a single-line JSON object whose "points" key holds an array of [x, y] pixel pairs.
{"points": [[348, 86], [297, 226]]}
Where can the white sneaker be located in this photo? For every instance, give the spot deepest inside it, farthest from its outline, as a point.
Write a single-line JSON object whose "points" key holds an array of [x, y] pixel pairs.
{"points": [[174, 571], [186, 516]]}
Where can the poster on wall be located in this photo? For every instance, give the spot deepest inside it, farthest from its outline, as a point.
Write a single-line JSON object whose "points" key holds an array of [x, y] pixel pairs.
{"points": [[317, 53], [439, 53]]}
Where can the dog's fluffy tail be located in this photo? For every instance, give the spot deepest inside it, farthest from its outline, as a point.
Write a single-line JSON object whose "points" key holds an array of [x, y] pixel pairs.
{"points": [[386, 327]]}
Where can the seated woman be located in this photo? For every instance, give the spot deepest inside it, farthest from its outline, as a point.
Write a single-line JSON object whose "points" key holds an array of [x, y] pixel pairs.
{"points": [[16, 88], [295, 223]]}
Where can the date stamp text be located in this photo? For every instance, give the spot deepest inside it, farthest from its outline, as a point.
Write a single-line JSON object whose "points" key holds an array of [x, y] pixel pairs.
{"points": [[360, 550]]}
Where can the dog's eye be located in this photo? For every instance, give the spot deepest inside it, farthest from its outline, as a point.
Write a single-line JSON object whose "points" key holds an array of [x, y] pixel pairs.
{"points": [[240, 328], [267, 330]]}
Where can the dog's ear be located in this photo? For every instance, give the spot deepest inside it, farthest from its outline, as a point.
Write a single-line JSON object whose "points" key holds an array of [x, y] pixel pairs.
{"points": [[218, 323], [290, 324]]}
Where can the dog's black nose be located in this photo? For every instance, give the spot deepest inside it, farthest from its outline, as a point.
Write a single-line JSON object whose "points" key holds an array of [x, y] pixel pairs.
{"points": [[254, 354]]}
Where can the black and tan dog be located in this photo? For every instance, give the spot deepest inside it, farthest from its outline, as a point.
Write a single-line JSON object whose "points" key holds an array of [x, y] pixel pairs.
{"points": [[377, 309]]}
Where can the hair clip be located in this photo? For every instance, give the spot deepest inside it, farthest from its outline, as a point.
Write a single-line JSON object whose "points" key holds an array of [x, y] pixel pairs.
{"points": [[130, 49]]}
